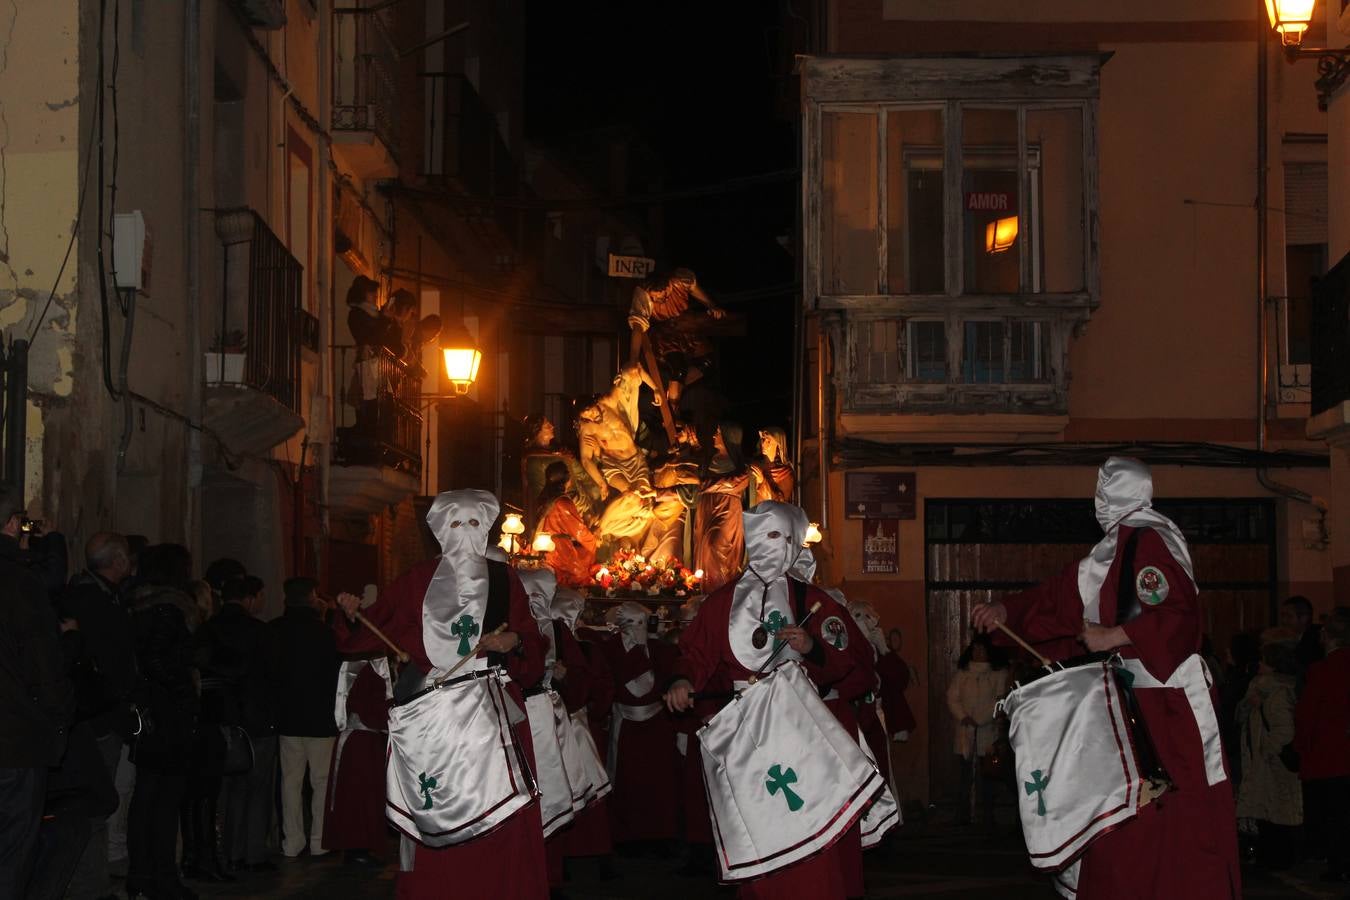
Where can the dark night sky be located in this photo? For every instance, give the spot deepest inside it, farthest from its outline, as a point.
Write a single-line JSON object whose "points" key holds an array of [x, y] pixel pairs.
{"points": [[696, 80]]}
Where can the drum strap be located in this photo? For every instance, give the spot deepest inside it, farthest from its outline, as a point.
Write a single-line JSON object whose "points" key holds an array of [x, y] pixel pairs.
{"points": [[1128, 607], [498, 604]]}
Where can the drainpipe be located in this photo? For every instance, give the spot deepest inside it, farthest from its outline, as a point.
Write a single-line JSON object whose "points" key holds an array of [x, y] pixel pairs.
{"points": [[1262, 272], [192, 31], [323, 282]]}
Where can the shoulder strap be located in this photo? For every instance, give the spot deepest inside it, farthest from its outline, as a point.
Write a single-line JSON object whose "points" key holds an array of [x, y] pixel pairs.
{"points": [[499, 595], [1127, 598], [798, 590]]}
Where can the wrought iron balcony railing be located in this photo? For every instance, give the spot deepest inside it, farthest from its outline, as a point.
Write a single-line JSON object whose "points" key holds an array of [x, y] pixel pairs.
{"points": [[365, 97], [380, 420]]}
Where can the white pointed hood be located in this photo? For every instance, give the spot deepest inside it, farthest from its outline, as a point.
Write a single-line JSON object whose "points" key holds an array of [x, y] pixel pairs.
{"points": [[456, 600], [631, 619], [568, 605], [540, 585], [1124, 497], [760, 598]]}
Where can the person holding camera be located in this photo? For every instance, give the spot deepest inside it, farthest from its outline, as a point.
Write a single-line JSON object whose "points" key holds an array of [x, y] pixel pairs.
{"points": [[37, 704]]}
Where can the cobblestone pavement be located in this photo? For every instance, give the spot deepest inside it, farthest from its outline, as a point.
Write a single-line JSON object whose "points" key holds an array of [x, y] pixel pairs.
{"points": [[924, 864]]}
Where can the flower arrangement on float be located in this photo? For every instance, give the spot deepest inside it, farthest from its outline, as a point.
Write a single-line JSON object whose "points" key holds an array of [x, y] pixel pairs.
{"points": [[629, 572]]}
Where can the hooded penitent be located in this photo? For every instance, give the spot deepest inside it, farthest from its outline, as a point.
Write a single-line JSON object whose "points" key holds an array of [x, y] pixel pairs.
{"points": [[869, 622], [631, 619], [761, 600], [568, 605], [540, 585], [1124, 497], [456, 600]]}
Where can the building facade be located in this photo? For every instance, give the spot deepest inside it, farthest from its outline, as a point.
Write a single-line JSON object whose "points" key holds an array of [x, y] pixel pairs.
{"points": [[1034, 235]]}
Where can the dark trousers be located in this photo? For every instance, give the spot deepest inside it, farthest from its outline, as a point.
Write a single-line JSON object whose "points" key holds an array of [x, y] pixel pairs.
{"points": [[92, 878], [21, 796], [62, 839], [152, 833], [199, 821], [1326, 815], [248, 801]]}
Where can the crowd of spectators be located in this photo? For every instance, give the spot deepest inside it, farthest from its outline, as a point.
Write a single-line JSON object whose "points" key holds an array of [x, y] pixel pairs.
{"points": [[145, 716]]}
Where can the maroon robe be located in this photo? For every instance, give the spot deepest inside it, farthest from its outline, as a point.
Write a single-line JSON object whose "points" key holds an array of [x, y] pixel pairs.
{"points": [[706, 660], [475, 868], [894, 674], [589, 833], [354, 819], [644, 805], [1183, 844]]}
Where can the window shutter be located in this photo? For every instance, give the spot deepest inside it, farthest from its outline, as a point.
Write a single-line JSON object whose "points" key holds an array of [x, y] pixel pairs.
{"points": [[1305, 203]]}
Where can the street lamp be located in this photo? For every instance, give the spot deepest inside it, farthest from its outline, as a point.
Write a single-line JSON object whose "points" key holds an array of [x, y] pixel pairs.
{"points": [[1291, 18], [462, 357]]}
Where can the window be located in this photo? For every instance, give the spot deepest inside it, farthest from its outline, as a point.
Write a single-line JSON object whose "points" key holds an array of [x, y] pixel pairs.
{"points": [[951, 218], [1305, 259]]}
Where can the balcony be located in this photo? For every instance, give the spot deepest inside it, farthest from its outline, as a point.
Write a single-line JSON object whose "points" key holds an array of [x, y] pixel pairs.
{"points": [[365, 98], [378, 458], [252, 370], [464, 153]]}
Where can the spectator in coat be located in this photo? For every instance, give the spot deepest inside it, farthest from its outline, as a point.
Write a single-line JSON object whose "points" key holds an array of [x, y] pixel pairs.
{"points": [[236, 692], [37, 704], [163, 616], [1322, 739], [1270, 792], [101, 655], [303, 679], [981, 678]]}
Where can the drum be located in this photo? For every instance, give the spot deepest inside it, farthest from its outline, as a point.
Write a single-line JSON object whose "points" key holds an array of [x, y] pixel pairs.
{"points": [[585, 771], [455, 770], [547, 715], [1075, 749], [784, 778]]}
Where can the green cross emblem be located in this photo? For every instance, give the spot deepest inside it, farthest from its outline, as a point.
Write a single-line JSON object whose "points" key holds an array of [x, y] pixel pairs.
{"points": [[425, 787], [774, 623], [464, 628], [779, 781], [1037, 786]]}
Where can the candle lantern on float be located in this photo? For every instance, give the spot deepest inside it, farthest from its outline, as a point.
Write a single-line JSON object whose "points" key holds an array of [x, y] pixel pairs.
{"points": [[813, 535], [512, 528]]}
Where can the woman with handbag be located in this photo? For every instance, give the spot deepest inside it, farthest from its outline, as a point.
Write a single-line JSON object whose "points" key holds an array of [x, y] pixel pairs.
{"points": [[1270, 792]]}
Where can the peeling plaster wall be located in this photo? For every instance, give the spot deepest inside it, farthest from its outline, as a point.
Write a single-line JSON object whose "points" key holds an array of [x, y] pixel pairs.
{"points": [[40, 116]]}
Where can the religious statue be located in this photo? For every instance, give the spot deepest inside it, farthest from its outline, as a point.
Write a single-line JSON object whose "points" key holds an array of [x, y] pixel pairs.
{"points": [[612, 459], [657, 306], [721, 537], [677, 486], [774, 478], [556, 514]]}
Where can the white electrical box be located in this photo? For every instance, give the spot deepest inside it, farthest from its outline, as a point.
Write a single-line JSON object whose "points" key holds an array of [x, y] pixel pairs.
{"points": [[131, 252]]}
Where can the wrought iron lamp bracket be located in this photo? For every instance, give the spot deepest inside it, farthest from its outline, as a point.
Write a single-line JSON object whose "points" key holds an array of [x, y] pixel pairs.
{"points": [[1333, 67]]}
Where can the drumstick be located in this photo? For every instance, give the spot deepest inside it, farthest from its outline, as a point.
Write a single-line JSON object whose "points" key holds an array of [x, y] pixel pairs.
{"points": [[398, 651], [472, 653], [779, 649], [1023, 644]]}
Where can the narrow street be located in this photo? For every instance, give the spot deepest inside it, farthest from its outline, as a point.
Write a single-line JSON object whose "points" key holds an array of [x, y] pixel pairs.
{"points": [[920, 864]]}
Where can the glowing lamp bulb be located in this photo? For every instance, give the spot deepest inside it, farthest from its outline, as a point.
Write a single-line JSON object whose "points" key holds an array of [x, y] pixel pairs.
{"points": [[698, 573], [1000, 235], [508, 543], [813, 535], [1290, 18], [461, 366], [543, 543], [513, 524]]}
